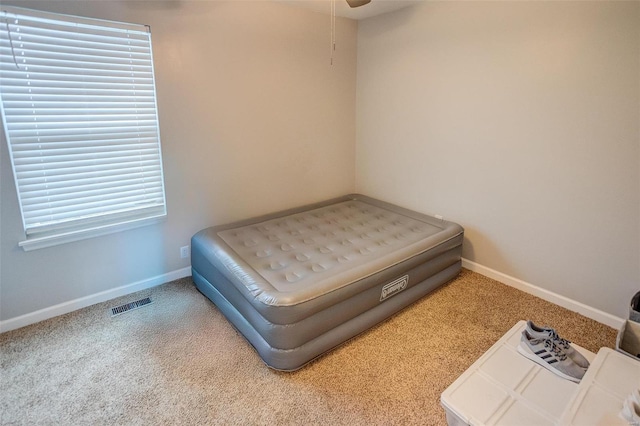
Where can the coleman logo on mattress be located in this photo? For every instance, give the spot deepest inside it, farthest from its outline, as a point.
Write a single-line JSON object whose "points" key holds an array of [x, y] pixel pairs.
{"points": [[394, 287]]}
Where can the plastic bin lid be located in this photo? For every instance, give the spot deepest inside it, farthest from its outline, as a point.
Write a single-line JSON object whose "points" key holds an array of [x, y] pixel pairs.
{"points": [[609, 380], [504, 387]]}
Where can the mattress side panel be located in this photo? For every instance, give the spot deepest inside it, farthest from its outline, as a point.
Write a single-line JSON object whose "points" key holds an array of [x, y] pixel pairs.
{"points": [[292, 334], [387, 286], [293, 359], [206, 260]]}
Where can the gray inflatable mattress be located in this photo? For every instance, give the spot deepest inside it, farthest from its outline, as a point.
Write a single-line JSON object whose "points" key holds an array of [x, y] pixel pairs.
{"points": [[300, 282]]}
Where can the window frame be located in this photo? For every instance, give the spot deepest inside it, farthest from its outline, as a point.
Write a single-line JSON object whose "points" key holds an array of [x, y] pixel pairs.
{"points": [[146, 206]]}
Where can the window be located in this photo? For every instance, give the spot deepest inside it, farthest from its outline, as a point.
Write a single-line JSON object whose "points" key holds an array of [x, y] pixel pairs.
{"points": [[80, 117]]}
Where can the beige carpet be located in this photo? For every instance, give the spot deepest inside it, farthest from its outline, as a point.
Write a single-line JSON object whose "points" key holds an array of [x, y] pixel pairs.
{"points": [[178, 361]]}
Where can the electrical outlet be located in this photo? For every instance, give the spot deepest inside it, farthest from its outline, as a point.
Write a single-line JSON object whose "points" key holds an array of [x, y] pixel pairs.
{"points": [[184, 252]]}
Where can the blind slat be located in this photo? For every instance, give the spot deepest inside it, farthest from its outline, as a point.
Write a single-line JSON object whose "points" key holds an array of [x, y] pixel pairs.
{"points": [[64, 141], [56, 30], [34, 181], [32, 41], [15, 81], [67, 211], [96, 212], [132, 193], [62, 171], [87, 71], [51, 149], [15, 92], [24, 107], [54, 118], [79, 130], [85, 186], [81, 160]]}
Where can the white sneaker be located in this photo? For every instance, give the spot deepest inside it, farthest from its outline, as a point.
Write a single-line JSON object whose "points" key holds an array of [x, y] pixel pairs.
{"points": [[550, 356], [631, 411], [538, 332]]}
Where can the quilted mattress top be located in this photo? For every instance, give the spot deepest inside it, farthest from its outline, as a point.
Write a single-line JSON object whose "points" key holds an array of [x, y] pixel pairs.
{"points": [[310, 252]]}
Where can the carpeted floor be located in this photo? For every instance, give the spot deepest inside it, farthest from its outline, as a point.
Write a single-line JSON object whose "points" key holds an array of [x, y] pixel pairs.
{"points": [[178, 361]]}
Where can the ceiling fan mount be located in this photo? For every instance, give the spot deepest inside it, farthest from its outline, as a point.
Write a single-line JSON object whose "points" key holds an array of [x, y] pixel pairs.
{"points": [[357, 3]]}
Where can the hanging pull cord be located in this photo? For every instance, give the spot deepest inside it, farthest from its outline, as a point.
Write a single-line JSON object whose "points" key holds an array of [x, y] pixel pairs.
{"points": [[333, 29]]}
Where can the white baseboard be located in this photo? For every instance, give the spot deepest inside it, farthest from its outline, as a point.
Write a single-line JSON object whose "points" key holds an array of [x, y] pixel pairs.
{"points": [[588, 311], [83, 302]]}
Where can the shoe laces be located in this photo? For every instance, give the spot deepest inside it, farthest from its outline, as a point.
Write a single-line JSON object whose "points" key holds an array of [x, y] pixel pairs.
{"points": [[553, 335], [555, 349]]}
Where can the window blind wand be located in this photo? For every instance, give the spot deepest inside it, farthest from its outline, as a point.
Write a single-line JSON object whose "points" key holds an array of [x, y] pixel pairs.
{"points": [[13, 52]]}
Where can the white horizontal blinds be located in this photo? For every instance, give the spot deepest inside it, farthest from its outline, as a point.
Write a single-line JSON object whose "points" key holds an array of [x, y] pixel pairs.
{"points": [[79, 108]]}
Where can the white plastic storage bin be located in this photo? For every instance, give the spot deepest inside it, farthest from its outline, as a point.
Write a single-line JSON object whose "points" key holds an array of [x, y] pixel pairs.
{"points": [[634, 309], [598, 401], [504, 387], [628, 340]]}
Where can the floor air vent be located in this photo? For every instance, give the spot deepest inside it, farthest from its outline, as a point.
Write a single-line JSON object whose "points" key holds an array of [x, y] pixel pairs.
{"points": [[130, 306]]}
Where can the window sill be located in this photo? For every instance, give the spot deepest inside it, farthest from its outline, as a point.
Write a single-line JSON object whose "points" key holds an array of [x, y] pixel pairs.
{"points": [[36, 243]]}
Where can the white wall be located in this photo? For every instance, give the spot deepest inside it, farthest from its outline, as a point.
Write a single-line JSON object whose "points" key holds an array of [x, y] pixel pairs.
{"points": [[252, 118], [519, 120]]}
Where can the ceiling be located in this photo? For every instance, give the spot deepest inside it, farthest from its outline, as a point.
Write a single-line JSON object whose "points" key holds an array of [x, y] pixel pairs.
{"points": [[376, 7]]}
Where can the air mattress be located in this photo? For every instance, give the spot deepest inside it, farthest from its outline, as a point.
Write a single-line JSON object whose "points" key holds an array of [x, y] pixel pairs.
{"points": [[300, 282]]}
